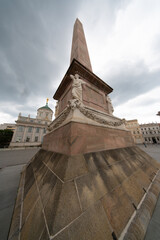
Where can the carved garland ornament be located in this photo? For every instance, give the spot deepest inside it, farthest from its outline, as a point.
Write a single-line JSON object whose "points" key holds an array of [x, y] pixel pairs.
{"points": [[75, 103]]}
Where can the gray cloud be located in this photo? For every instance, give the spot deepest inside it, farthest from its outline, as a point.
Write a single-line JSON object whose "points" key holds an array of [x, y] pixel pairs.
{"points": [[30, 29], [35, 44], [131, 81]]}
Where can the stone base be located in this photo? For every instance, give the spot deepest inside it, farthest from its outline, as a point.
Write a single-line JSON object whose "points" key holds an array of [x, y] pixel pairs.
{"points": [[91, 196], [77, 138]]}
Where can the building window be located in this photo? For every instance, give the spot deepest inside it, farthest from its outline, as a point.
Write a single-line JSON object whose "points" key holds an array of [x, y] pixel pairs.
{"points": [[36, 139], [27, 139], [18, 139], [20, 128], [31, 120], [44, 130], [37, 130], [30, 129]]}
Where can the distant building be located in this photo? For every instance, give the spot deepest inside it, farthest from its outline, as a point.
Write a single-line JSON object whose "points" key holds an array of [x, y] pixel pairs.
{"points": [[135, 129], [151, 132], [30, 131], [10, 126]]}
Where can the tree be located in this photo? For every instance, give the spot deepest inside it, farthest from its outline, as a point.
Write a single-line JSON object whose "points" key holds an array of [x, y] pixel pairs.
{"points": [[5, 137]]}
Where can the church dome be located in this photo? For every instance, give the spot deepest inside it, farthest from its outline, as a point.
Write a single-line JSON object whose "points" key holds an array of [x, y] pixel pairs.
{"points": [[45, 113], [45, 107]]}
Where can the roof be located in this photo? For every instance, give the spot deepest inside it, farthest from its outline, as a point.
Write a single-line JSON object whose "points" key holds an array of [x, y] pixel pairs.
{"points": [[45, 107]]}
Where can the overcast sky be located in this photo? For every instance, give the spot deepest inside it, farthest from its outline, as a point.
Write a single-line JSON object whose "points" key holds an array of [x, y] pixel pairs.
{"points": [[123, 38]]}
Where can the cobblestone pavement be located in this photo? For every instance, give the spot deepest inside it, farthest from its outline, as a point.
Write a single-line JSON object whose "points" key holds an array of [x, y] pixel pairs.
{"points": [[11, 164]]}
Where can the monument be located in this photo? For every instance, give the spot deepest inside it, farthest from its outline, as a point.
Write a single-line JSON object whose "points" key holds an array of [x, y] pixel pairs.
{"points": [[89, 181]]}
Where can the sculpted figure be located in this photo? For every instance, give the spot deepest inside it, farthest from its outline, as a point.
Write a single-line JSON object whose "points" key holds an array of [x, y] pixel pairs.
{"points": [[110, 106], [77, 87]]}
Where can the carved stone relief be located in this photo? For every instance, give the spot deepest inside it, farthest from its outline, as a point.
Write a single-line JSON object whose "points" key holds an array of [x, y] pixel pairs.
{"points": [[75, 103]]}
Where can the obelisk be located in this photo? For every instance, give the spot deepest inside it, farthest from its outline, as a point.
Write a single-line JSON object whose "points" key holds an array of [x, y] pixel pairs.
{"points": [[79, 50], [89, 181]]}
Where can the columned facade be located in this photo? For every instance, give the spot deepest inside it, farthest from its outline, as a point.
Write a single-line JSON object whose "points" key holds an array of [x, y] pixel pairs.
{"points": [[30, 131]]}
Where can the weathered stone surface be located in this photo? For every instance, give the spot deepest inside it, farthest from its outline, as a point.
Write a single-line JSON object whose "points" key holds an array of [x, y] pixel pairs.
{"points": [[91, 187], [46, 186], [93, 224], [29, 201], [133, 190], [118, 209], [44, 235], [15, 227], [86, 196], [34, 224], [139, 225], [62, 207]]}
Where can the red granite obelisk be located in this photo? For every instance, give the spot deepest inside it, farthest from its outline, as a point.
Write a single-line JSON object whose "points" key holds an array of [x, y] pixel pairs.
{"points": [[79, 49], [84, 120]]}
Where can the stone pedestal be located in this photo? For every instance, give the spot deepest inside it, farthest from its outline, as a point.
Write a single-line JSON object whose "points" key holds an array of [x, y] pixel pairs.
{"points": [[75, 138]]}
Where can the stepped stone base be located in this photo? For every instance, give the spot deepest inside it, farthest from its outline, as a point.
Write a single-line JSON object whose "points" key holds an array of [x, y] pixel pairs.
{"points": [[88, 196], [76, 138]]}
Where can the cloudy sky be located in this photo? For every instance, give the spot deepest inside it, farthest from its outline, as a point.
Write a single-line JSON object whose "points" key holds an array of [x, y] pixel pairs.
{"points": [[123, 38]]}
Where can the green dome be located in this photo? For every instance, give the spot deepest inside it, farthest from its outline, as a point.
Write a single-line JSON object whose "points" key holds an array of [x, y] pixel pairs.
{"points": [[45, 107]]}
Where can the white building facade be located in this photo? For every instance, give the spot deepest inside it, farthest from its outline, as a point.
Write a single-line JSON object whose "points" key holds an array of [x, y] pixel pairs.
{"points": [[151, 132], [30, 131]]}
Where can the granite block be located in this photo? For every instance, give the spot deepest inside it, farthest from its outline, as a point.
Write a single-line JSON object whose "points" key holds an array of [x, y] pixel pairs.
{"points": [[34, 223], [46, 186], [15, 225], [93, 186], [133, 190], [62, 207], [92, 225], [29, 201], [114, 204]]}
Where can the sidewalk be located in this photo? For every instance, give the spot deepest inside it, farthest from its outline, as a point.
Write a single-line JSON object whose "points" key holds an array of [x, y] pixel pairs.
{"points": [[153, 231], [11, 164]]}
